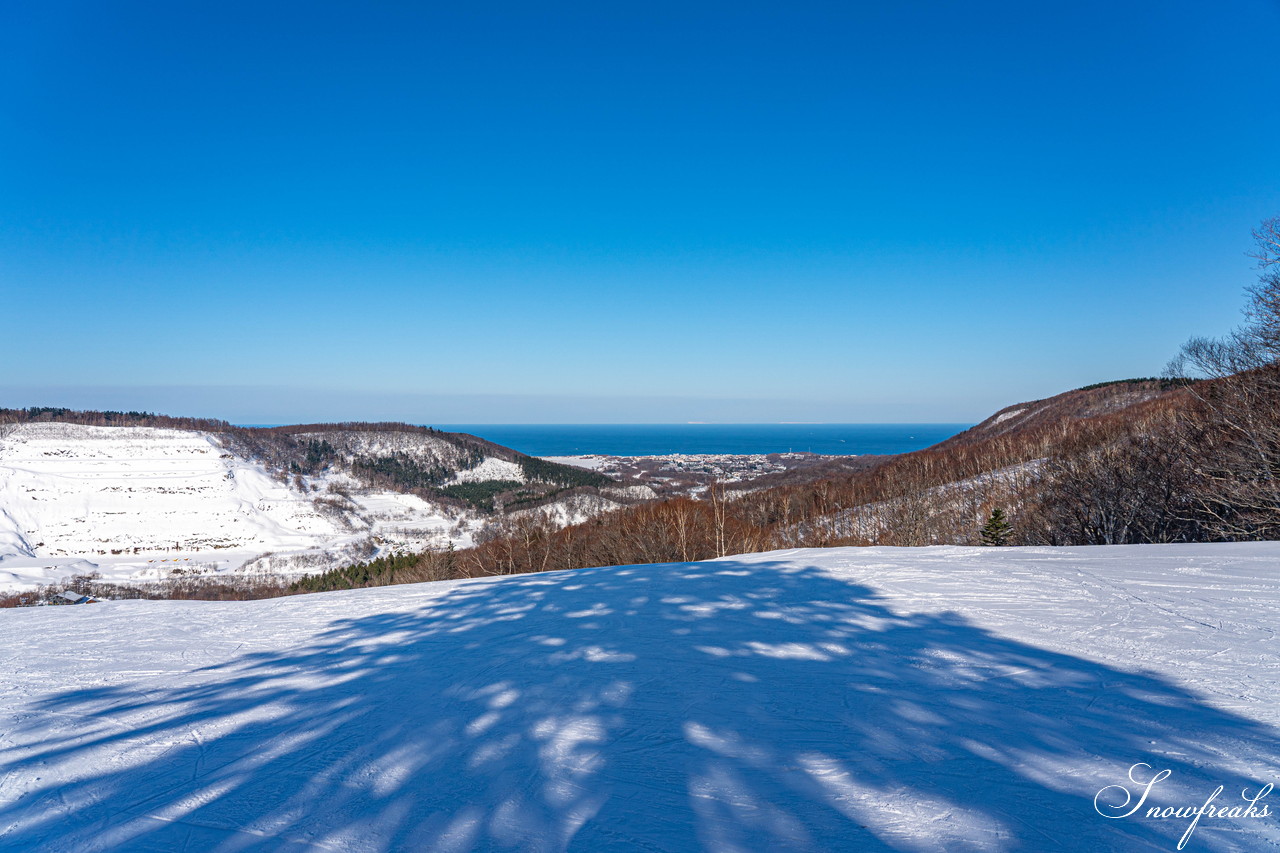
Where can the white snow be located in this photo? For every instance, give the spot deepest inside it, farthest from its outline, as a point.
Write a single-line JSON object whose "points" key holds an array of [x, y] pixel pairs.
{"points": [[591, 462], [1001, 418], [490, 469], [132, 503], [70, 489], [957, 699]]}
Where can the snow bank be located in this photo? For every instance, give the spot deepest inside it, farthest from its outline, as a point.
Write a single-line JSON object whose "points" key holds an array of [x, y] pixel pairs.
{"points": [[847, 699]]}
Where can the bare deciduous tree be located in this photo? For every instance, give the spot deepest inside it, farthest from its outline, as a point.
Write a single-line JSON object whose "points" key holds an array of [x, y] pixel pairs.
{"points": [[1234, 431]]}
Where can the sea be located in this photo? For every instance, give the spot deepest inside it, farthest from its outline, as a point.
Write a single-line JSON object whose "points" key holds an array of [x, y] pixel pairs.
{"points": [[662, 439]]}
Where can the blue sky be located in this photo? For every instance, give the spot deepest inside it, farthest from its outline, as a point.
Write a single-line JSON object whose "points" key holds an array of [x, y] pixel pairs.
{"points": [[477, 212]]}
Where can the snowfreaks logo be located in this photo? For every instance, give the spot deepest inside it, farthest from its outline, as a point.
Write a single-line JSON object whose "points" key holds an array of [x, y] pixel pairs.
{"points": [[1127, 807]]}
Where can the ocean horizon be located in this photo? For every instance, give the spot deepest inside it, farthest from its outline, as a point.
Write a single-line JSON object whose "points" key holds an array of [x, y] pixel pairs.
{"points": [[662, 439]]}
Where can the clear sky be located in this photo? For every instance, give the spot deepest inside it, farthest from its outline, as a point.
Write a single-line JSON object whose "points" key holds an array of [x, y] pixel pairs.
{"points": [[546, 212]]}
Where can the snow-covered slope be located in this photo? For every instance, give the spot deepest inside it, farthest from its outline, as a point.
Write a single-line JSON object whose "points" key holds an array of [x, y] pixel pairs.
{"points": [[97, 490], [946, 698], [490, 469], [133, 502]]}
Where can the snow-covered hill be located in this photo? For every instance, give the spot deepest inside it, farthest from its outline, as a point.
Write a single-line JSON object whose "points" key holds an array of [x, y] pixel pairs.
{"points": [[950, 699], [140, 503], [96, 490]]}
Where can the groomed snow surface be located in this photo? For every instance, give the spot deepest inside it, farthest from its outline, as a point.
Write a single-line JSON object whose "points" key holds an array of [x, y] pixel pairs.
{"points": [[950, 699]]}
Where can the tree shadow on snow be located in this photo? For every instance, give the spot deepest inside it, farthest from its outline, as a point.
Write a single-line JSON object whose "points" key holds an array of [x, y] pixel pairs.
{"points": [[719, 706]]}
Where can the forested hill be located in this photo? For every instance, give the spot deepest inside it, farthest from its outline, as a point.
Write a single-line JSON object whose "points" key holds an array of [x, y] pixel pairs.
{"points": [[1091, 401]]}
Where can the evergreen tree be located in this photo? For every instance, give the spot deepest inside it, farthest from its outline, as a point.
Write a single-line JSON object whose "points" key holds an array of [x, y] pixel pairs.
{"points": [[997, 530]]}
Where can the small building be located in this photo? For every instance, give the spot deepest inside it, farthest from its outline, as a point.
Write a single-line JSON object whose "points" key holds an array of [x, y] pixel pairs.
{"points": [[70, 597]]}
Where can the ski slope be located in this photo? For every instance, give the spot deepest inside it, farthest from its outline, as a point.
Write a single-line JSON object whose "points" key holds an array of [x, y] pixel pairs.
{"points": [[932, 699], [136, 503], [83, 490]]}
